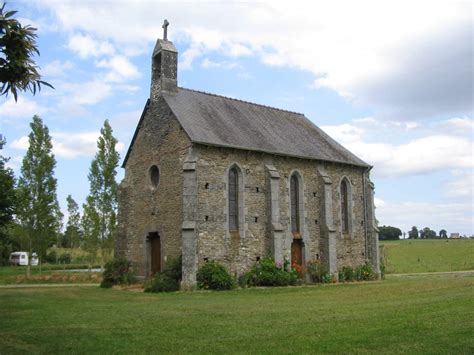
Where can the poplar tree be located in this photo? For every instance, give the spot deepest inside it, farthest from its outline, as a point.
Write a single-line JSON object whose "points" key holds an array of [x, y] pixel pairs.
{"points": [[72, 235], [100, 210], [38, 208]]}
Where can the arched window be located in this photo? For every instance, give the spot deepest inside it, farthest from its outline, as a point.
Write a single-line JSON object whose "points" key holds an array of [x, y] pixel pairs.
{"points": [[233, 199], [294, 202], [344, 207]]}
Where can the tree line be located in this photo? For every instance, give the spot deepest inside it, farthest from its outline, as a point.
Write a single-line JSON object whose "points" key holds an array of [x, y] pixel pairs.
{"points": [[394, 233], [30, 217]]}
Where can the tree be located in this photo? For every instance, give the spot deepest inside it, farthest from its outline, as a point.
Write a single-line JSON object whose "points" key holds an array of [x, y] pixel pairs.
{"points": [[72, 234], [413, 234], [389, 233], [427, 233], [38, 208], [443, 233], [100, 209], [7, 207], [18, 71]]}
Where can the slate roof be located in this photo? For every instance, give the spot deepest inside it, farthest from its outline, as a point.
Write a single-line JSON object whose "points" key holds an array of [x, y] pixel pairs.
{"points": [[226, 122]]}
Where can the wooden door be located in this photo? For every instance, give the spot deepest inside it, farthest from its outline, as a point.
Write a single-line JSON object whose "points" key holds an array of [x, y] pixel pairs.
{"points": [[297, 255], [155, 255]]}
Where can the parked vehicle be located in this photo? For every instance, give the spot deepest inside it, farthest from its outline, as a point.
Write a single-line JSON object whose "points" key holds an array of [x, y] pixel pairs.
{"points": [[20, 258]]}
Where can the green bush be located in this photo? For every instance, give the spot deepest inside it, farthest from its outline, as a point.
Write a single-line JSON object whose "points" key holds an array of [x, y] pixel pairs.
{"points": [[214, 276], [266, 273], [346, 274], [117, 272], [318, 272], [364, 273], [64, 259], [169, 279], [51, 257], [360, 273]]}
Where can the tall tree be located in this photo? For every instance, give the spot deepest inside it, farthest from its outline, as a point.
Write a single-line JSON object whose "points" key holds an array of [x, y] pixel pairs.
{"points": [[18, 71], [38, 208], [7, 207], [443, 233], [72, 234], [413, 234], [100, 209]]}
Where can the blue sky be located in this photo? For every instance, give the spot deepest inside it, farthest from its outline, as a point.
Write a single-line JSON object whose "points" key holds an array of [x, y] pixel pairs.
{"points": [[391, 81]]}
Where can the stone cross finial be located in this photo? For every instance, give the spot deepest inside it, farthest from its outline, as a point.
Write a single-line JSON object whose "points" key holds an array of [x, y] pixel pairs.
{"points": [[165, 30]]}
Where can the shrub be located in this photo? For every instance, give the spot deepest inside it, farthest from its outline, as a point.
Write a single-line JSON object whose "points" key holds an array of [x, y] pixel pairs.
{"points": [[169, 279], [214, 276], [266, 273], [364, 273], [318, 271], [346, 274], [117, 272], [51, 257], [64, 259]]}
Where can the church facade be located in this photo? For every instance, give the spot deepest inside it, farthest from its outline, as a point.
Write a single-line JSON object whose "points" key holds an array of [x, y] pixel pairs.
{"points": [[214, 178]]}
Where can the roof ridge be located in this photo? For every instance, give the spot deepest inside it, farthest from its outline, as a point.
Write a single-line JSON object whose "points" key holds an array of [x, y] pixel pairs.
{"points": [[239, 100]]}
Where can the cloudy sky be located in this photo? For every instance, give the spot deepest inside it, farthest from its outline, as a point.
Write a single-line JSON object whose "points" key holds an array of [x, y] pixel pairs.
{"points": [[390, 80]]}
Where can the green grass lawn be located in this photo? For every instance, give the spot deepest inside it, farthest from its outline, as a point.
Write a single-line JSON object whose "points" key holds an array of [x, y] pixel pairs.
{"points": [[428, 314], [406, 256]]}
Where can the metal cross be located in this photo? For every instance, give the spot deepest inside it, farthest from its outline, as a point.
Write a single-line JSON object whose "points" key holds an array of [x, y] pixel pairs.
{"points": [[165, 30]]}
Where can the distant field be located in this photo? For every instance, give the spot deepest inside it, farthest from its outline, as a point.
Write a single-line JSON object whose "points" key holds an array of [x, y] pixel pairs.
{"points": [[418, 314], [48, 274], [406, 256]]}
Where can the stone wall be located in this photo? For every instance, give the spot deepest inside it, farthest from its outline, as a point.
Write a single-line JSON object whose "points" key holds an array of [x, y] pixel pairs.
{"points": [[142, 208], [239, 252]]}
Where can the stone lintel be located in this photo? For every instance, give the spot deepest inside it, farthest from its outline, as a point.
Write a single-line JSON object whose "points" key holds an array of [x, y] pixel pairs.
{"points": [[188, 225]]}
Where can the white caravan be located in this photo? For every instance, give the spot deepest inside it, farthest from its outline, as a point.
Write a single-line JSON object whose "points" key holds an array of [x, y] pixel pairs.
{"points": [[21, 258]]}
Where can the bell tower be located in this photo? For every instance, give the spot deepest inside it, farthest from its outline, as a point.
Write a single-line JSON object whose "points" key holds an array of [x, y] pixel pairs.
{"points": [[164, 68]]}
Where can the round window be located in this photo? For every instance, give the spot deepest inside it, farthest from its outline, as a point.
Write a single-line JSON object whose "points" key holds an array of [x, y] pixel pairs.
{"points": [[154, 176]]}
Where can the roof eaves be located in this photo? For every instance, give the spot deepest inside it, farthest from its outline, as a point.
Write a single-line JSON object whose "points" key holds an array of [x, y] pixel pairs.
{"points": [[145, 109]]}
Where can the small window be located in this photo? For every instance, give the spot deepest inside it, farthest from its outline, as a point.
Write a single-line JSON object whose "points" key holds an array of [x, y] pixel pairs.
{"points": [[294, 199], [233, 199], [344, 207], [154, 176]]}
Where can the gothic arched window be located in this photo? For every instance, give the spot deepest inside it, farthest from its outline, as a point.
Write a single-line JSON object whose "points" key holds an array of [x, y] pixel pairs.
{"points": [[233, 199], [294, 202], [344, 206]]}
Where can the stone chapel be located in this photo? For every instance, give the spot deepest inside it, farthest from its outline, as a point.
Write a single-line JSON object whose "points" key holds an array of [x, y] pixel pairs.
{"points": [[209, 177]]}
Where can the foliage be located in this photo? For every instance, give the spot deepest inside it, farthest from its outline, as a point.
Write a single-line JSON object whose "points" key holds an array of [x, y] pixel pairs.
{"points": [[118, 272], [347, 274], [266, 273], [389, 233], [38, 208], [365, 273], [428, 233], [443, 233], [72, 234], [18, 71], [318, 271], [413, 233], [169, 279], [7, 208], [214, 276], [99, 219]]}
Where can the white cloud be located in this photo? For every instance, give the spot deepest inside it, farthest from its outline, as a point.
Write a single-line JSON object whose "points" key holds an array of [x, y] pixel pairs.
{"points": [[56, 68], [21, 143], [121, 69], [454, 217], [73, 145], [207, 64], [87, 93], [462, 185], [87, 47], [359, 49], [23, 108], [422, 155]]}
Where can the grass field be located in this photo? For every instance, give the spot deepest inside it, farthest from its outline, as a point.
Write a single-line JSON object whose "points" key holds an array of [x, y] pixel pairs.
{"points": [[429, 314], [407, 256]]}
